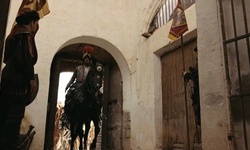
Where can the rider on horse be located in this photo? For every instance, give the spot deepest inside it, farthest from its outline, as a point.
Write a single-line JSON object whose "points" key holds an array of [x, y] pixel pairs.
{"points": [[79, 78], [84, 98]]}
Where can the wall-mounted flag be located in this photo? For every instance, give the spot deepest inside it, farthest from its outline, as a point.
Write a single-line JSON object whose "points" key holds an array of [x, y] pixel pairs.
{"points": [[179, 24], [41, 6]]}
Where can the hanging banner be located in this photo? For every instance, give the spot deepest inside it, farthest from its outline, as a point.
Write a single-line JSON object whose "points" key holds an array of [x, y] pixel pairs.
{"points": [[179, 24], [41, 6]]}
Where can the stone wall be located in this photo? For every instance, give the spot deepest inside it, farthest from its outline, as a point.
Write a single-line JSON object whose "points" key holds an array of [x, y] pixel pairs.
{"points": [[126, 130], [114, 110]]}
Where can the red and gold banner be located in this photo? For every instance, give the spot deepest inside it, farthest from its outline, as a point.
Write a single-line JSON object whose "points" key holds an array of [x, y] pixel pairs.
{"points": [[179, 24], [41, 6]]}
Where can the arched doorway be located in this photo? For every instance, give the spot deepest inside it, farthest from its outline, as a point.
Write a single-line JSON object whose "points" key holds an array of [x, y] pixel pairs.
{"points": [[65, 60]]}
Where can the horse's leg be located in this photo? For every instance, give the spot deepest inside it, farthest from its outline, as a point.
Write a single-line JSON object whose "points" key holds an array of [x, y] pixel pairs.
{"points": [[72, 142], [97, 130], [73, 138], [73, 135], [86, 133], [80, 131]]}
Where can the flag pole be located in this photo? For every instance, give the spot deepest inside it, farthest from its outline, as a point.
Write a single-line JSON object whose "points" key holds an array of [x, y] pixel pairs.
{"points": [[178, 28], [182, 50], [185, 92]]}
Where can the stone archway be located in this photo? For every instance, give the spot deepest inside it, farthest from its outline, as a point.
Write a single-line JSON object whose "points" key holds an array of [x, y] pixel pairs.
{"points": [[65, 60]]}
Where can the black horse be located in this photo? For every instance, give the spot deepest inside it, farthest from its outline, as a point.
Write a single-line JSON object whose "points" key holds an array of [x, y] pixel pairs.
{"points": [[83, 104]]}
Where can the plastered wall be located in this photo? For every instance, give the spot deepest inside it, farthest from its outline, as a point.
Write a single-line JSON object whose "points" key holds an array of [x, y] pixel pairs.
{"points": [[213, 93], [117, 27]]}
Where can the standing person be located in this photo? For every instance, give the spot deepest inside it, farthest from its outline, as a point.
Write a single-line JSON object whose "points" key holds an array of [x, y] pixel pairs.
{"points": [[17, 81], [193, 75]]}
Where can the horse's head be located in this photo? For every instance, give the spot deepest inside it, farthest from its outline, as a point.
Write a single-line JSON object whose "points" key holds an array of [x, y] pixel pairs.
{"points": [[95, 78]]}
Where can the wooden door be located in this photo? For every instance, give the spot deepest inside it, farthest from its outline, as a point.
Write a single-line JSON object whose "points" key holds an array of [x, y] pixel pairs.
{"points": [[179, 127]]}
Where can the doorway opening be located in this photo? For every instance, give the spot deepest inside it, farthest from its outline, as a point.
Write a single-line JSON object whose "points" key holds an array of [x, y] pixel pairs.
{"points": [[64, 62]]}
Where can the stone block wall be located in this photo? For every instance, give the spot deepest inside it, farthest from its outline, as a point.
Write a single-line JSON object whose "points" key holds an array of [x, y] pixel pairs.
{"points": [[126, 130]]}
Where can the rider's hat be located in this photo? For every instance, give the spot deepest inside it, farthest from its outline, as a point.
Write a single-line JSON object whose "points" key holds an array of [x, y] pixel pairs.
{"points": [[87, 50]]}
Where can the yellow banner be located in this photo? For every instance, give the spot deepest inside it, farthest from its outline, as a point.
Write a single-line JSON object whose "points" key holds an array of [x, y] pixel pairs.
{"points": [[179, 24], [41, 6]]}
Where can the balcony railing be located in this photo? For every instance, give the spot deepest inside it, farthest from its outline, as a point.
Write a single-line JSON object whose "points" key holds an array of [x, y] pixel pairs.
{"points": [[165, 12]]}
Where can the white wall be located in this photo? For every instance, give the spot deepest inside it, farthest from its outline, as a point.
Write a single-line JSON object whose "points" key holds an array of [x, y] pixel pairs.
{"points": [[213, 93], [117, 27]]}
